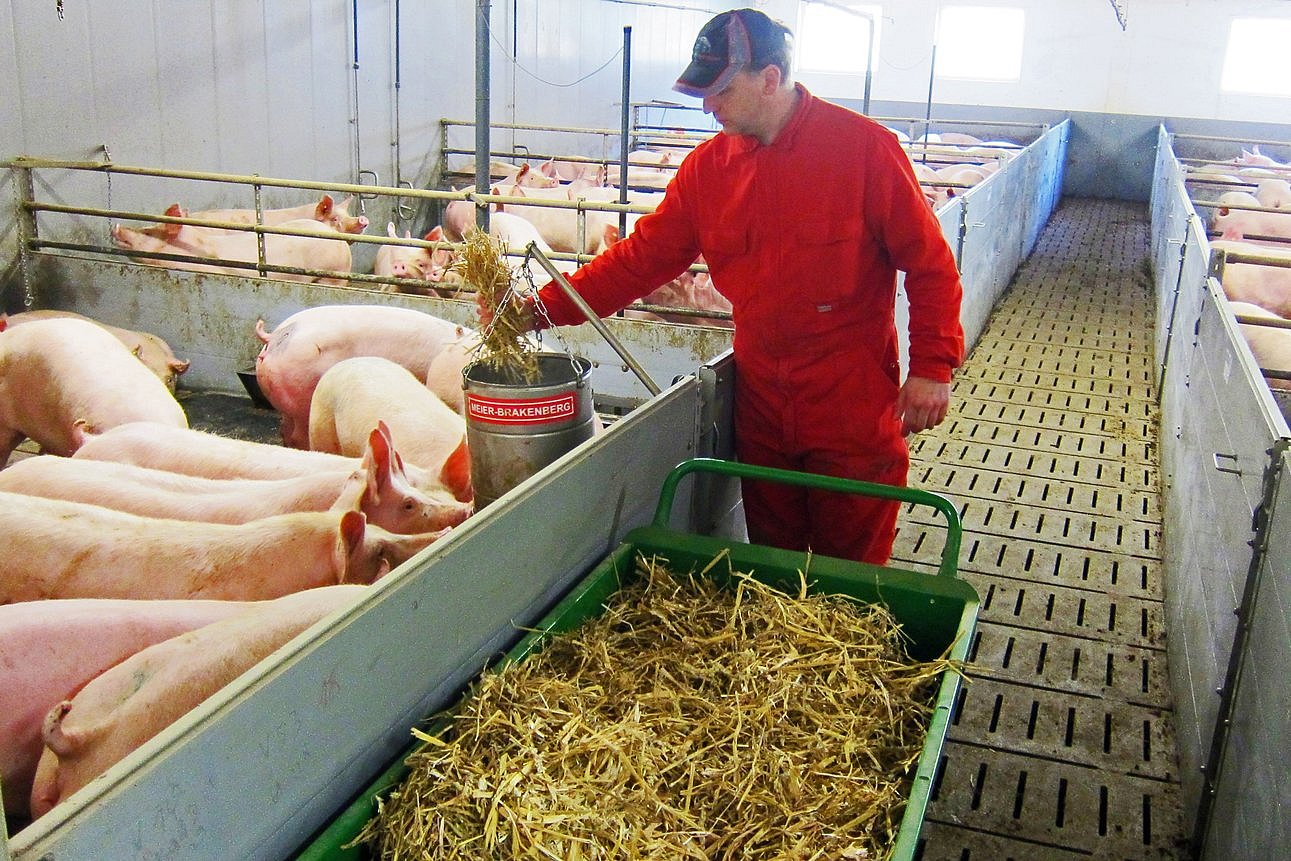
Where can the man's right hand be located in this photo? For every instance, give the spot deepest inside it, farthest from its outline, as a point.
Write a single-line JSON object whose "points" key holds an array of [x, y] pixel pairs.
{"points": [[522, 311]]}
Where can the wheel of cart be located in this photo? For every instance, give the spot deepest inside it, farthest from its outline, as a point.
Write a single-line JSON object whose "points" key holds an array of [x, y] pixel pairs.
{"points": [[937, 612]]}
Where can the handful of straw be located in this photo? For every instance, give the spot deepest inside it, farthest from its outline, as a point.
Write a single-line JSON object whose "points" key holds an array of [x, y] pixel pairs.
{"points": [[504, 344], [689, 721]]}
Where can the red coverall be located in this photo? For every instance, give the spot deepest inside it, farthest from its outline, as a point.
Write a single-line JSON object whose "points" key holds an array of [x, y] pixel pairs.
{"points": [[804, 236]]}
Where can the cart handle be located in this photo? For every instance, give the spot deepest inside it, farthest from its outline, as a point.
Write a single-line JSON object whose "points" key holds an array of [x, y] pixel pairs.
{"points": [[954, 529]]}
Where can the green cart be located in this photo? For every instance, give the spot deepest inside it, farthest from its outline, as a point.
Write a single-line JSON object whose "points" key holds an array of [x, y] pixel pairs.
{"points": [[937, 612]]}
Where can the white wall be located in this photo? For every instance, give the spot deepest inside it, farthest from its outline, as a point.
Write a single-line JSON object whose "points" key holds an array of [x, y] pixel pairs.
{"points": [[267, 87]]}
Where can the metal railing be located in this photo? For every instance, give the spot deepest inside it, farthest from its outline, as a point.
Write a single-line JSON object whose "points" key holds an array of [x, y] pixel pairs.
{"points": [[30, 239]]}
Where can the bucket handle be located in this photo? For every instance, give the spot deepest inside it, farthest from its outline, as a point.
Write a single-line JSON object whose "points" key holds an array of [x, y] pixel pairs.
{"points": [[568, 289], [954, 529]]}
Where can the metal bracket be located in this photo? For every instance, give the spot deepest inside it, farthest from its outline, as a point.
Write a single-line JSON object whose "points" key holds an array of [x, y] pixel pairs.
{"points": [[1231, 470]]}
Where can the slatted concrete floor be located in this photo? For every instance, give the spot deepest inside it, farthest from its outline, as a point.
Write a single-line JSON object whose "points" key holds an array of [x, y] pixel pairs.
{"points": [[1062, 746]]}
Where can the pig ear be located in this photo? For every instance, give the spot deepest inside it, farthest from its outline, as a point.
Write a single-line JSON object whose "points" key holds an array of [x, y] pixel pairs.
{"points": [[611, 234], [353, 525], [4, 320], [390, 231], [436, 234], [382, 462], [324, 207], [178, 366], [548, 168], [456, 473], [176, 211], [396, 462]]}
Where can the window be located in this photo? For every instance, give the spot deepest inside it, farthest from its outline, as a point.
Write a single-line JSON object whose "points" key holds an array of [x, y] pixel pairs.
{"points": [[981, 43], [834, 38], [1255, 61]]}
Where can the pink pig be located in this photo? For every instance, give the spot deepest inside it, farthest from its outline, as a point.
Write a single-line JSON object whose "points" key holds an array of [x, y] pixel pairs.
{"points": [[378, 488], [300, 252], [1236, 224], [59, 549], [155, 353], [121, 709], [50, 649], [405, 261], [210, 455], [297, 353], [334, 215], [61, 378], [367, 389]]}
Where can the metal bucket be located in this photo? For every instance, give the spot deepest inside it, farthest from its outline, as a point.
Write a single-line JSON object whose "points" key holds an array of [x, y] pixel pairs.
{"points": [[514, 429]]}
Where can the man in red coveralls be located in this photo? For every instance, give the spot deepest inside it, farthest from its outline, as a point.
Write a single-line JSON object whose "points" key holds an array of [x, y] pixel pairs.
{"points": [[803, 211]]}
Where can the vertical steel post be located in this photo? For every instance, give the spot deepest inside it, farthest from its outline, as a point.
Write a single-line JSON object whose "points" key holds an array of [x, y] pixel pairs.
{"points": [[25, 190], [869, 66], [927, 116], [482, 175], [623, 148]]}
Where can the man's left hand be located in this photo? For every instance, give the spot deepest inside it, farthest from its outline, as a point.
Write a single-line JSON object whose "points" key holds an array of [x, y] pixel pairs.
{"points": [[922, 404]]}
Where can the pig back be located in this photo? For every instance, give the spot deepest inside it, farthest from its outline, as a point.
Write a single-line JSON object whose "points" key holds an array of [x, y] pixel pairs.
{"points": [[62, 377], [60, 549], [50, 649], [301, 349], [125, 706]]}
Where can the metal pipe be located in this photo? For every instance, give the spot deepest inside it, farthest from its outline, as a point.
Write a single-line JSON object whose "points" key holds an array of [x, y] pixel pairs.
{"points": [[395, 144], [623, 137], [592, 317], [25, 163], [869, 63], [482, 177], [927, 117], [533, 128], [354, 120]]}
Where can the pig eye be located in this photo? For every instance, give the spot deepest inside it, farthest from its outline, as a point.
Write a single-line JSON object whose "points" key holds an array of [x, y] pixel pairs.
{"points": [[409, 505]]}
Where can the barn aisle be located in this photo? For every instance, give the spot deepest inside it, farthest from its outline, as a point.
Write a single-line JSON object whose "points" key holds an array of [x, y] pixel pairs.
{"points": [[1063, 744]]}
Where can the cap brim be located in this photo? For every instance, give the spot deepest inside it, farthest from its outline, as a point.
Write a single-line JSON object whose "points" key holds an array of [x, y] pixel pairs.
{"points": [[699, 71]]}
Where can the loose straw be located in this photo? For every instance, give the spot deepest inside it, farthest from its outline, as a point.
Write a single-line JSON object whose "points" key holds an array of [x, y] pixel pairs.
{"points": [[689, 721], [504, 345]]}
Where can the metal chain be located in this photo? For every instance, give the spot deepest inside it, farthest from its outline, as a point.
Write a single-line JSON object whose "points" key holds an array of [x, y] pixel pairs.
{"points": [[540, 308]]}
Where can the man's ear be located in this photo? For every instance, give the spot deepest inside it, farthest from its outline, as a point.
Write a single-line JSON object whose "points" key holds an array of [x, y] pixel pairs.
{"points": [[771, 78]]}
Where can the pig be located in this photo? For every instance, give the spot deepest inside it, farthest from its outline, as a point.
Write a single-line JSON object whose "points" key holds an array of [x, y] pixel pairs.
{"points": [[300, 252], [567, 171], [378, 488], [1266, 286], [1274, 193], [559, 226], [406, 261], [516, 234], [1233, 223], [49, 650], [210, 455], [690, 290], [444, 373], [155, 353], [61, 378], [297, 353], [61, 549], [366, 389], [1270, 345], [122, 708], [646, 168], [1254, 158], [334, 215], [963, 175]]}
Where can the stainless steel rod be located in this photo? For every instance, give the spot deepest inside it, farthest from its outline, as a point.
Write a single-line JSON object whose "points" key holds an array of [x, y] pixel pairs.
{"points": [[592, 318]]}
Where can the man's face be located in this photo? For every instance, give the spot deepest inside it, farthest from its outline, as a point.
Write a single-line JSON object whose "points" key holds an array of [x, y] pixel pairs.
{"points": [[739, 109]]}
